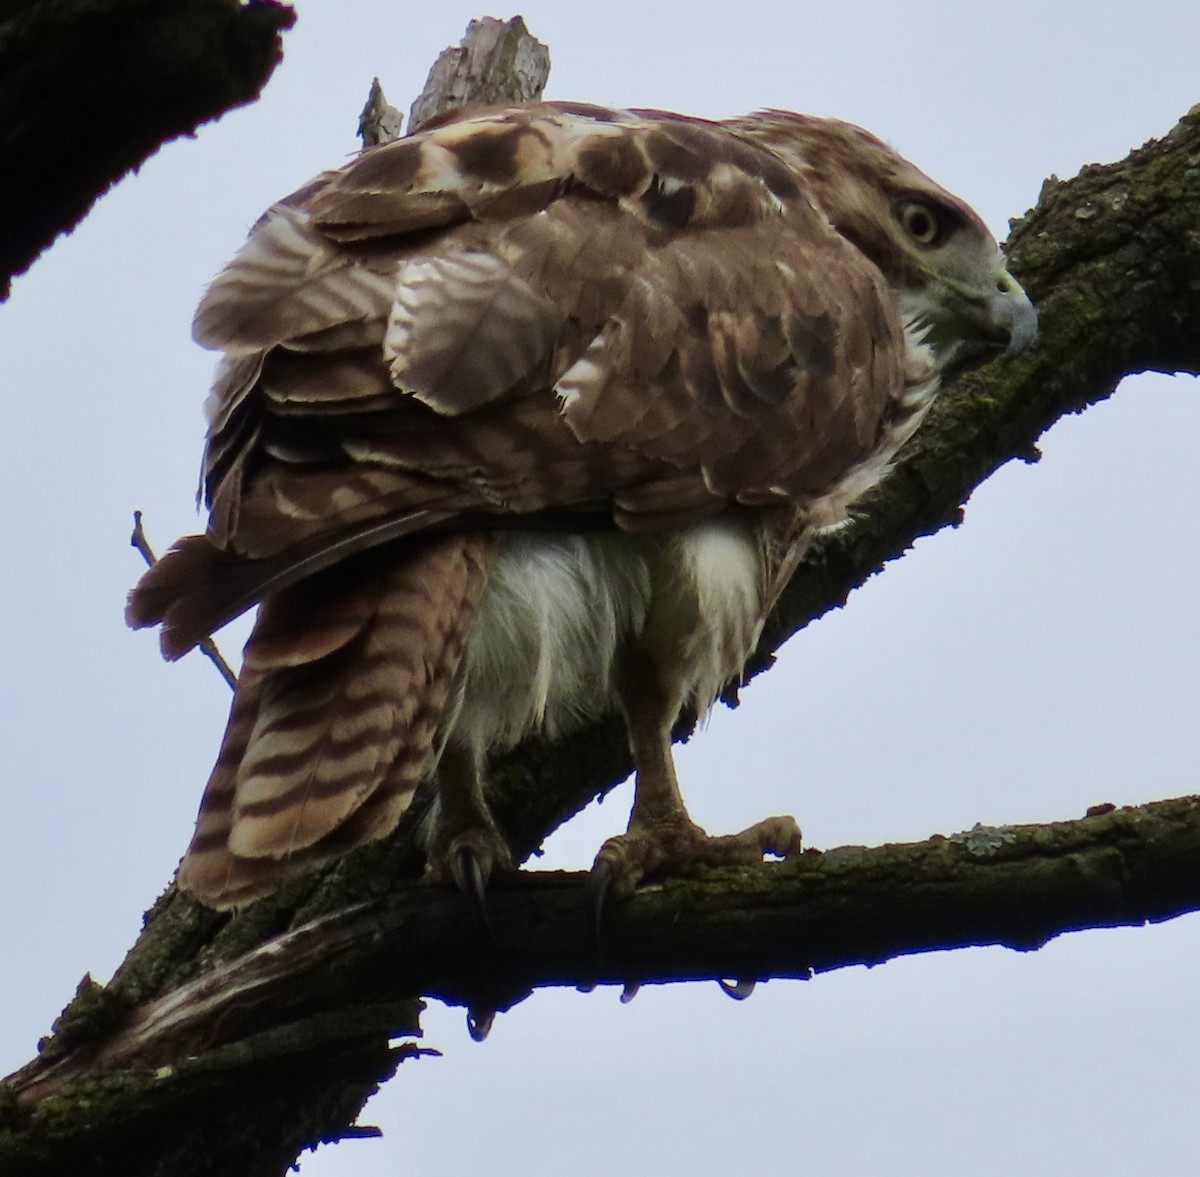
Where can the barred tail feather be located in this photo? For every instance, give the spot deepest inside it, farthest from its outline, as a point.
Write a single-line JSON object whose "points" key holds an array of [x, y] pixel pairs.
{"points": [[194, 589], [336, 717], [197, 587], [208, 870]]}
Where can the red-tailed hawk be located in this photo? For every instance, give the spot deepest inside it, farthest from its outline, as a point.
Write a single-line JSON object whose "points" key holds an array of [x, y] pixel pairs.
{"points": [[526, 419]]}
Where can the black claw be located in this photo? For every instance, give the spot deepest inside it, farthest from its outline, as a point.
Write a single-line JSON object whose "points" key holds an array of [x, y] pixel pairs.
{"points": [[599, 887], [471, 879]]}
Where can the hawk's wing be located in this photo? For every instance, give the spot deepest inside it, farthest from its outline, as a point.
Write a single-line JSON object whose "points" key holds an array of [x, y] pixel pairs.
{"points": [[534, 312]]}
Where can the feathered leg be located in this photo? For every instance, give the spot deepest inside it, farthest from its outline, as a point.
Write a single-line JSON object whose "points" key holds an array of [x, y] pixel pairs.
{"points": [[466, 847], [661, 837]]}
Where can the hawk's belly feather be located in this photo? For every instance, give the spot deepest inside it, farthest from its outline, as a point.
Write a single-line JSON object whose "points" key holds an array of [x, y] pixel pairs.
{"points": [[561, 613]]}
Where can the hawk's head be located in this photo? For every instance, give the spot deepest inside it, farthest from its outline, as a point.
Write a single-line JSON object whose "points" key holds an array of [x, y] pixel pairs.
{"points": [[941, 261]]}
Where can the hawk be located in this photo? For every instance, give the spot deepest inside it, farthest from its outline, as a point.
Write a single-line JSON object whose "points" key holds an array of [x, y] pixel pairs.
{"points": [[526, 419]]}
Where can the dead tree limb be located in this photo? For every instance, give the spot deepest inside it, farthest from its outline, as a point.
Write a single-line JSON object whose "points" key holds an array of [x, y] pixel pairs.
{"points": [[497, 62]]}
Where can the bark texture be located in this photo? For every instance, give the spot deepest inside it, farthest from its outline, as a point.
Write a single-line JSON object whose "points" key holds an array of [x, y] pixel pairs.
{"points": [[1011, 886], [116, 79], [497, 62], [266, 1030]]}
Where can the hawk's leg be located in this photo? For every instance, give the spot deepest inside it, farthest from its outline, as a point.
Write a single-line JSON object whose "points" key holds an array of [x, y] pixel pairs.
{"points": [[466, 847], [661, 837]]}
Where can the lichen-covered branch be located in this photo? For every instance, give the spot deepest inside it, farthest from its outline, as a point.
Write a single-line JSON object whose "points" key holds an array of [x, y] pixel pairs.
{"points": [[331, 992], [1013, 886], [131, 75]]}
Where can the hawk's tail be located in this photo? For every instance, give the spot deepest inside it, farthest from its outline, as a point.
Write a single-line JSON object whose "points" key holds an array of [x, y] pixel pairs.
{"points": [[197, 587], [336, 716], [194, 589]]}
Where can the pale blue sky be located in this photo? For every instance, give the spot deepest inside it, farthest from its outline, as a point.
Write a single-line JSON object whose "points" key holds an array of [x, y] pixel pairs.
{"points": [[1038, 660]]}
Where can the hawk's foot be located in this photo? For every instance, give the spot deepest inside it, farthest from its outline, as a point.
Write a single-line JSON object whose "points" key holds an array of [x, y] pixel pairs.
{"points": [[673, 845], [467, 859]]}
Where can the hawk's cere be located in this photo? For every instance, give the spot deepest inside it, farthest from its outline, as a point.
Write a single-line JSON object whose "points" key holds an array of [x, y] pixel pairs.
{"points": [[526, 419]]}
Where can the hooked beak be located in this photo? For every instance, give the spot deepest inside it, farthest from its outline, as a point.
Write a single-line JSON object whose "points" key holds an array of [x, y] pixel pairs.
{"points": [[1010, 313], [966, 322], [999, 316]]}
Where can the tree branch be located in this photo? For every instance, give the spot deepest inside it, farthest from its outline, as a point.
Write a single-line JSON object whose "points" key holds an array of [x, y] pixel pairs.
{"points": [[197, 1014], [318, 1004], [1014, 886], [135, 74]]}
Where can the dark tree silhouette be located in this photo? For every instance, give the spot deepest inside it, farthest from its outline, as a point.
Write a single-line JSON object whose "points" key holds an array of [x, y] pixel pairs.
{"points": [[133, 74]]}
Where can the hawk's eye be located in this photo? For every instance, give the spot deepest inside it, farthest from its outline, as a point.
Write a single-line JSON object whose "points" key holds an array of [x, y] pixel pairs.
{"points": [[919, 221]]}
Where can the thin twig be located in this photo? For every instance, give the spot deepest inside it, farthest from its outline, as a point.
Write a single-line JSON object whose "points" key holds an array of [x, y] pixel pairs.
{"points": [[207, 647]]}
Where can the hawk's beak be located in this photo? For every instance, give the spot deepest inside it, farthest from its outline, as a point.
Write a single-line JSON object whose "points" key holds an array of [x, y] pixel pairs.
{"points": [[979, 315], [1009, 312]]}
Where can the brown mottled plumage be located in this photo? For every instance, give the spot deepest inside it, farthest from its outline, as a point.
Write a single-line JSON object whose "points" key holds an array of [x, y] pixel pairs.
{"points": [[529, 417]]}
